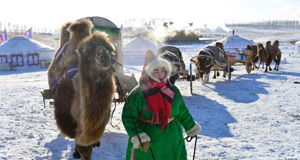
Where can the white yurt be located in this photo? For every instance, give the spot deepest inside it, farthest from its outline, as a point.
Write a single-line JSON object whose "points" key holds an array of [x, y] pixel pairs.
{"points": [[22, 52], [134, 51], [297, 47], [234, 43]]}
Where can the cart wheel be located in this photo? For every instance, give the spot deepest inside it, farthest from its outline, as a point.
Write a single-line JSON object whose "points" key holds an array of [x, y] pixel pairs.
{"points": [[248, 65], [229, 69]]}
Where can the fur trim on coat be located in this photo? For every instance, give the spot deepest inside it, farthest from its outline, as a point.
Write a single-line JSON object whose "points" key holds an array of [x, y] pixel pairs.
{"points": [[159, 62], [194, 131], [135, 140]]}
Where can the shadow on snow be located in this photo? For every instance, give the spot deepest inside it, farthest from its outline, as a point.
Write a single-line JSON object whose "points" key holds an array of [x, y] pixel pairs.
{"points": [[211, 115], [116, 142]]}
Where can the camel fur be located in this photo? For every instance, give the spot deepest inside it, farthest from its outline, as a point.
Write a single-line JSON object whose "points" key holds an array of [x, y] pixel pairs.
{"points": [[264, 57], [253, 55], [82, 103], [277, 57]]}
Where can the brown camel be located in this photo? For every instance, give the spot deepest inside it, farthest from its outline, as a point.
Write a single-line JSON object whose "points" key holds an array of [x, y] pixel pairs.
{"points": [[82, 86], [253, 55], [277, 57], [264, 57]]}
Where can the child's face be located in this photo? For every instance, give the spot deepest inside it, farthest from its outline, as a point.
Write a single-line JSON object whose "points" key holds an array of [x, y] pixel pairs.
{"points": [[159, 73]]}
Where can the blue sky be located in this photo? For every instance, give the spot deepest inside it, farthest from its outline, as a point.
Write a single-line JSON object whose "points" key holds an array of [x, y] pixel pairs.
{"points": [[54, 13]]}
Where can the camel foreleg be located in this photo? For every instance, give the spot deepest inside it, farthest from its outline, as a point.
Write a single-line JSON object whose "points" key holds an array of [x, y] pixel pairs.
{"points": [[214, 77], [206, 78], [259, 64], [83, 152]]}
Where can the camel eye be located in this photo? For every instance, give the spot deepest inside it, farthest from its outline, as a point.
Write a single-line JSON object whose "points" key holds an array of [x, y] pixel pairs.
{"points": [[102, 51]]}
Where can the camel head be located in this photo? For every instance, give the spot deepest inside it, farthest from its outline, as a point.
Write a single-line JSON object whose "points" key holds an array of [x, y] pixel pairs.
{"points": [[268, 43], [276, 44], [260, 46], [97, 51]]}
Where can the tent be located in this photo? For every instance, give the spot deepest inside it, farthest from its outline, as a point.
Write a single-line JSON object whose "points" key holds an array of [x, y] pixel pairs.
{"points": [[235, 43], [134, 51], [297, 47], [22, 52]]}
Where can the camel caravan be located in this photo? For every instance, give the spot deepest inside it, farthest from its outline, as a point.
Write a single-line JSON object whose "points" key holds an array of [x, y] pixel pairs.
{"points": [[215, 58], [265, 55]]}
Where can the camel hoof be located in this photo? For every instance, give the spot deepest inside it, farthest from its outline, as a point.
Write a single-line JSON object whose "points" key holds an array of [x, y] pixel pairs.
{"points": [[76, 155], [214, 77], [96, 144]]}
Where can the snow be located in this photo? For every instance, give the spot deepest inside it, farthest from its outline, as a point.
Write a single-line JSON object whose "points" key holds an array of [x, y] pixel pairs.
{"points": [[134, 50], [23, 44], [297, 47], [253, 116], [234, 43]]}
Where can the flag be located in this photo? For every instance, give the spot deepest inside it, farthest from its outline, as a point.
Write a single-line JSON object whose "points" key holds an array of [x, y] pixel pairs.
{"points": [[3, 38], [28, 33]]}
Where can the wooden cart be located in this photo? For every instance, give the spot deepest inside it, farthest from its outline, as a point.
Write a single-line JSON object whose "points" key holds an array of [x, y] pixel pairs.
{"points": [[241, 58]]}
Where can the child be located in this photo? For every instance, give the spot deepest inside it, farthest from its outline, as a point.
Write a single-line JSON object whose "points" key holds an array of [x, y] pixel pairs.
{"points": [[159, 111]]}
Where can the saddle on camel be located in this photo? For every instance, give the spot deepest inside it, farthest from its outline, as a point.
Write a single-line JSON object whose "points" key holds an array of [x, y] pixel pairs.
{"points": [[81, 82]]}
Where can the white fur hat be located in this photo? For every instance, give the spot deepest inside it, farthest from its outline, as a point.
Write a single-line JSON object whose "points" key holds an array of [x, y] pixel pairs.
{"points": [[159, 62]]}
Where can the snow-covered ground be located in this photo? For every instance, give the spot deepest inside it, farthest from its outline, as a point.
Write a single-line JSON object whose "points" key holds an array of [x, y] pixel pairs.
{"points": [[253, 116]]}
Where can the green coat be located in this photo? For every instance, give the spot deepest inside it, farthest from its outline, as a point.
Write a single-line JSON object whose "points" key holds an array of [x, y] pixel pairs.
{"points": [[167, 144]]}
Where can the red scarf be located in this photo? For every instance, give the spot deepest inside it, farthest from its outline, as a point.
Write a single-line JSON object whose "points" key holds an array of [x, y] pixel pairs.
{"points": [[159, 97]]}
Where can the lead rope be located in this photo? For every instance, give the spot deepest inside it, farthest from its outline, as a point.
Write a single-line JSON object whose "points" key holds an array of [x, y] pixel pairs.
{"points": [[126, 102], [112, 114], [189, 139]]}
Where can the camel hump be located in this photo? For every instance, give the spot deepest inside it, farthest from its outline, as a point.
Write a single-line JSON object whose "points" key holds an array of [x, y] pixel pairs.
{"points": [[64, 33], [81, 25]]}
